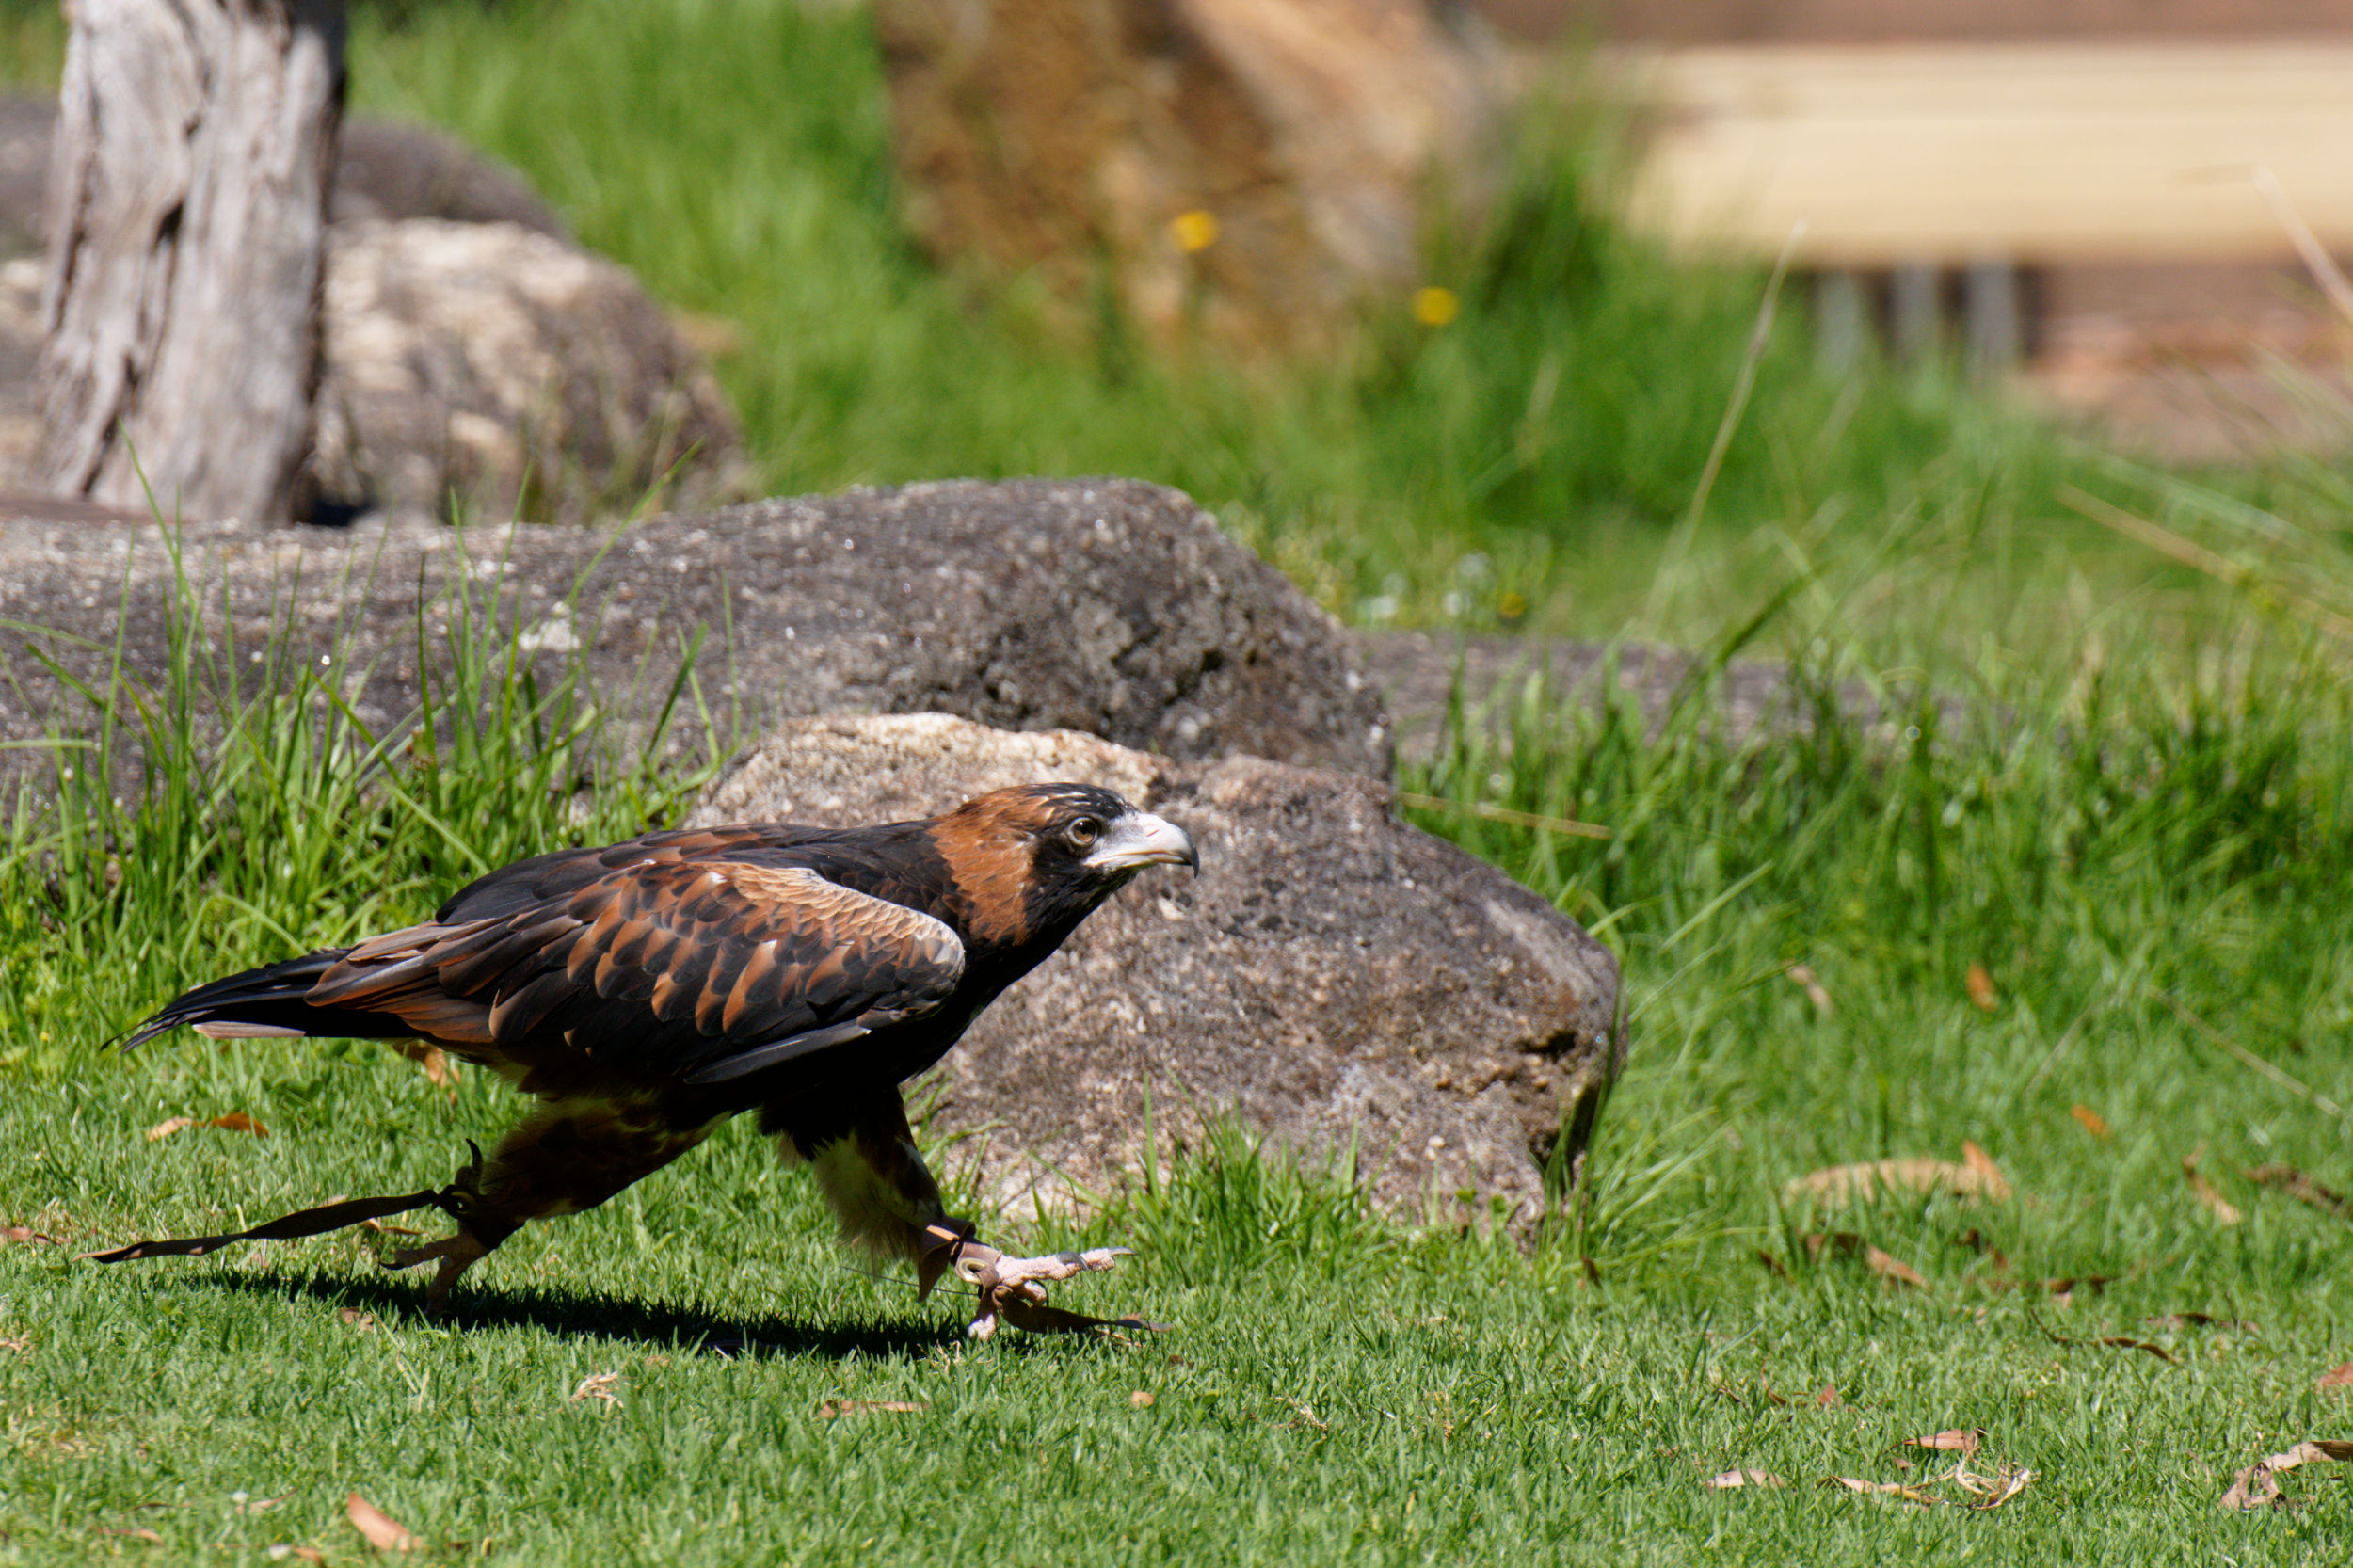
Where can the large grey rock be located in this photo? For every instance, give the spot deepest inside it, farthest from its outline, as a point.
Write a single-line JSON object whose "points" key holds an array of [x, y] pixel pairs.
{"points": [[491, 367], [1105, 605], [388, 169], [466, 344], [1333, 979]]}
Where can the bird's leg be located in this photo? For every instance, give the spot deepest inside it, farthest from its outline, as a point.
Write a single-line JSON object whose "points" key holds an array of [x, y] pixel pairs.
{"points": [[456, 1255], [478, 1235], [864, 1158], [1012, 1290], [935, 1252], [566, 1155]]}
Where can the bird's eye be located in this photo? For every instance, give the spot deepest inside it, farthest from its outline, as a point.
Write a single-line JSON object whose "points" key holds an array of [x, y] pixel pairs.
{"points": [[1083, 832]]}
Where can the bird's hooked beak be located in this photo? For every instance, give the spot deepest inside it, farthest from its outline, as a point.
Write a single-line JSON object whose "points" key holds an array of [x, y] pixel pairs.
{"points": [[1140, 838]]}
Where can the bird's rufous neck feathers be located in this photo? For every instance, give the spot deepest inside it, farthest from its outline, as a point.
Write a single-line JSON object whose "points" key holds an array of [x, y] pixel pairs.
{"points": [[989, 845]]}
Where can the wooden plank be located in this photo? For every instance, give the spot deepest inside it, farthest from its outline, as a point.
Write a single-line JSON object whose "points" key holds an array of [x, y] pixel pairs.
{"points": [[2032, 154]]}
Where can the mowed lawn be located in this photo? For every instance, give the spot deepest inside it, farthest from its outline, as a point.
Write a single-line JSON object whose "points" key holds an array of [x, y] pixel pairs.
{"points": [[2074, 897], [1345, 1392], [1842, 945]]}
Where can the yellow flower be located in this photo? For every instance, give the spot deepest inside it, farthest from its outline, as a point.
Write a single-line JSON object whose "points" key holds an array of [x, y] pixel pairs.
{"points": [[1434, 306], [1511, 605], [1194, 232]]}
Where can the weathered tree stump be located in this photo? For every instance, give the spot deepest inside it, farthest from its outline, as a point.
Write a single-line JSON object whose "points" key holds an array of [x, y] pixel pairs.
{"points": [[188, 208]]}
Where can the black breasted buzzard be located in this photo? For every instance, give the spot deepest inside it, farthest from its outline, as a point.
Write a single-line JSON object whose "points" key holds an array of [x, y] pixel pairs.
{"points": [[645, 992]]}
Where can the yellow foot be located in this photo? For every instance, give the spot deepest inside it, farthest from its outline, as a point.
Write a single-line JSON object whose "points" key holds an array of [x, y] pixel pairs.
{"points": [[1012, 1290], [455, 1255]]}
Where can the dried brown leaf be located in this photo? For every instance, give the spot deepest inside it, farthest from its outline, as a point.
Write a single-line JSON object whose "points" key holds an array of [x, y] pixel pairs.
{"points": [[1893, 1268], [1141, 1399], [2253, 1487], [2124, 1342], [300, 1554], [2258, 1485], [1956, 1440], [2092, 1122], [1731, 1480], [1988, 1175], [1979, 985], [2224, 1211], [237, 1121], [1304, 1413], [22, 1234], [146, 1535], [2062, 1289], [1976, 1176], [1846, 1243], [1805, 979], [363, 1322], [1828, 1396], [381, 1532], [1975, 1241], [598, 1386], [832, 1408], [2115, 1341], [2178, 1320], [439, 1068], [1993, 1491], [1885, 1488], [2339, 1376], [2302, 1188], [1771, 1263], [169, 1126]]}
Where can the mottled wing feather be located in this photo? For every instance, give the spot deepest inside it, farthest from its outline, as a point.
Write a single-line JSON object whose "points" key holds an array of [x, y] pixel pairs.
{"points": [[547, 879], [702, 968]]}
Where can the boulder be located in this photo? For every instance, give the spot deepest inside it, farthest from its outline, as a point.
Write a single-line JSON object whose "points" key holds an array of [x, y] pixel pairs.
{"points": [[388, 169], [28, 130], [496, 368], [1103, 605], [1247, 169], [20, 361], [1343, 984], [466, 343]]}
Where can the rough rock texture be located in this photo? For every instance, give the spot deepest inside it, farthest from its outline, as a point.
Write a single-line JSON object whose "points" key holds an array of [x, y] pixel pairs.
{"points": [[390, 170], [384, 168], [1302, 135], [20, 360], [1105, 605], [464, 360], [464, 337], [1332, 978], [28, 132]]}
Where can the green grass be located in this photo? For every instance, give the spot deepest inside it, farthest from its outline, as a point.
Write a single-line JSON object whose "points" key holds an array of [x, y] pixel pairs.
{"points": [[2129, 803], [1337, 1387], [1533, 463], [735, 153]]}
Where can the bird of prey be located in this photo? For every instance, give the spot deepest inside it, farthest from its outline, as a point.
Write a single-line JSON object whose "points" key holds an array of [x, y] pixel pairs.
{"points": [[645, 992]]}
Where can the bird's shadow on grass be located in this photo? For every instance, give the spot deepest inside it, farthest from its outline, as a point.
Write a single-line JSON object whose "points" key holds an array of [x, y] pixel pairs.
{"points": [[589, 1316]]}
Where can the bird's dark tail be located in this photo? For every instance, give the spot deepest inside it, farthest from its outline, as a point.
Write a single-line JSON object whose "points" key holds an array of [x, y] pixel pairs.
{"points": [[267, 1002]]}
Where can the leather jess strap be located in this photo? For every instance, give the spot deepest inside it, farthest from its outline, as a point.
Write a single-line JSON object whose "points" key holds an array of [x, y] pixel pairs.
{"points": [[456, 1200], [307, 1222]]}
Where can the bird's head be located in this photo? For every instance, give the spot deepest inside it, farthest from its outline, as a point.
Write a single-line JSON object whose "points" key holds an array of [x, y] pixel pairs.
{"points": [[1034, 860]]}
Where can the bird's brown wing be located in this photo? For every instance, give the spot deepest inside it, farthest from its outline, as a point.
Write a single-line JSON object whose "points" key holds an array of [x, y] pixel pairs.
{"points": [[702, 970]]}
